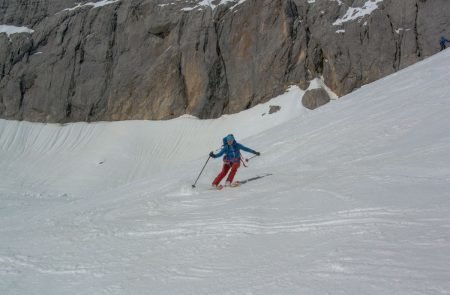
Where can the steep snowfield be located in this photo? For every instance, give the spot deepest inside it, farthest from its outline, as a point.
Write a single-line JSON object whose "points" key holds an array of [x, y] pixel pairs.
{"points": [[94, 156], [353, 198]]}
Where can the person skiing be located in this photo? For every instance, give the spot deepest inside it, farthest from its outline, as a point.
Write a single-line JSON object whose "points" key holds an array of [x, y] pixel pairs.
{"points": [[231, 160], [442, 42]]}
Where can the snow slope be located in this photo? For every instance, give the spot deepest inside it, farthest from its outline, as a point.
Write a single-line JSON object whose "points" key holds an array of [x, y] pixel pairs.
{"points": [[353, 198], [110, 154]]}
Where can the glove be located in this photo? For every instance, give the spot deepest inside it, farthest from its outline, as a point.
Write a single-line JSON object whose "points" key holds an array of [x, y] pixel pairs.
{"points": [[211, 154], [258, 153]]}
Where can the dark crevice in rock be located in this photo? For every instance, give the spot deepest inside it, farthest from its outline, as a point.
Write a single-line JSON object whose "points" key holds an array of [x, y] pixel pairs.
{"points": [[2, 105], [292, 15], [397, 54], [319, 61], [205, 43], [249, 104], [180, 29], [307, 35], [100, 105], [307, 43], [365, 33], [214, 86], [91, 113], [22, 93], [72, 83], [222, 68], [183, 80], [276, 15], [25, 83], [133, 13], [81, 56], [63, 33], [3, 72], [416, 32], [68, 110], [161, 32], [221, 12], [162, 35], [42, 42]]}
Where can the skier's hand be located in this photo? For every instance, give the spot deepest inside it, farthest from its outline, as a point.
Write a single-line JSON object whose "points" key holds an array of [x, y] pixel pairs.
{"points": [[258, 153], [211, 154]]}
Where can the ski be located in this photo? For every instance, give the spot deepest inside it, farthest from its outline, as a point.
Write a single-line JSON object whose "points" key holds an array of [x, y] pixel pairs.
{"points": [[216, 188], [234, 184]]}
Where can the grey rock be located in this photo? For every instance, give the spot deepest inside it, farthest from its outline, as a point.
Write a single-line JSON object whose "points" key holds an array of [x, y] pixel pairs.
{"points": [[274, 109], [314, 98], [142, 60]]}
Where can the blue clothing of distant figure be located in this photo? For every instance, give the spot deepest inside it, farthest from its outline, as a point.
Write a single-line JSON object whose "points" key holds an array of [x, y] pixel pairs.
{"points": [[442, 42], [232, 152]]}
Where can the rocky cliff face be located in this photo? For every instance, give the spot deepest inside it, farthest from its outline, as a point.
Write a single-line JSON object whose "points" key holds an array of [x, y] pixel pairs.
{"points": [[157, 59]]}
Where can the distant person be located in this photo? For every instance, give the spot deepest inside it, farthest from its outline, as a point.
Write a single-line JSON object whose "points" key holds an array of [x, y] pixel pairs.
{"points": [[442, 42], [232, 159]]}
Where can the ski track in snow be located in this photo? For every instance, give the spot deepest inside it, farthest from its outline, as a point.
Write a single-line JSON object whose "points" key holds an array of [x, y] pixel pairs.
{"points": [[352, 198]]}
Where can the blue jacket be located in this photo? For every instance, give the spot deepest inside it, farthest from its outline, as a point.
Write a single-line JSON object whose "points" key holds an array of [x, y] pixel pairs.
{"points": [[443, 41], [232, 153]]}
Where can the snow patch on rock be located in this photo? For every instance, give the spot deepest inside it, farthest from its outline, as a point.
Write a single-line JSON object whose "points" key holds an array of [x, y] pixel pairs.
{"points": [[354, 13], [10, 30], [93, 4]]}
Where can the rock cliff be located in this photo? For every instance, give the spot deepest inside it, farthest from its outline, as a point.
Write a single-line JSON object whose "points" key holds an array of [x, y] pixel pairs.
{"points": [[158, 59]]}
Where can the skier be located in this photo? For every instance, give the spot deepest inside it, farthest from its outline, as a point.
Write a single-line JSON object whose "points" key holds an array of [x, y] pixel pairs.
{"points": [[442, 42], [232, 159]]}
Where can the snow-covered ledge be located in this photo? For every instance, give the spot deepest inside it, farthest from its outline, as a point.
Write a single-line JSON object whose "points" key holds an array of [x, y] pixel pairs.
{"points": [[10, 30], [93, 4]]}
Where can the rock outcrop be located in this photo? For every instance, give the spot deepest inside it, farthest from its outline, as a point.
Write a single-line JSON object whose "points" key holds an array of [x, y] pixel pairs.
{"points": [[158, 59], [314, 98]]}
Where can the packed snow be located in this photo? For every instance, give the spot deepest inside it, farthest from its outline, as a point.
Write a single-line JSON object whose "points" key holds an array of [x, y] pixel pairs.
{"points": [[352, 198]]}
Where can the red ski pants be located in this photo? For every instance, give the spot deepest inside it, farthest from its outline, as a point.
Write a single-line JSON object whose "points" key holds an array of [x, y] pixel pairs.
{"points": [[226, 167]]}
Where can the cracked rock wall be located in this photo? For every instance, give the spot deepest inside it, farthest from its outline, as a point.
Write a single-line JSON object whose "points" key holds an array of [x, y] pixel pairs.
{"points": [[158, 59]]}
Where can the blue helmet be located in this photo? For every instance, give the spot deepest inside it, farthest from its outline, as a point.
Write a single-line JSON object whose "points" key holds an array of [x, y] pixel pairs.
{"points": [[227, 138]]}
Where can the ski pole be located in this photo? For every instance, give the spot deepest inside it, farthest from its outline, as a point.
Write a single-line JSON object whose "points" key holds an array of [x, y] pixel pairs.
{"points": [[250, 158], [209, 157]]}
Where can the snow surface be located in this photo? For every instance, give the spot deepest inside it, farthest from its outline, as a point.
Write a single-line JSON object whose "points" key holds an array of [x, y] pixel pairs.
{"points": [[354, 13], [10, 30], [134, 148], [352, 198]]}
